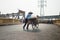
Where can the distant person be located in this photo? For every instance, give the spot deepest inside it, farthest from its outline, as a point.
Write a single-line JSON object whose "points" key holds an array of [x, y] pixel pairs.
{"points": [[26, 20]]}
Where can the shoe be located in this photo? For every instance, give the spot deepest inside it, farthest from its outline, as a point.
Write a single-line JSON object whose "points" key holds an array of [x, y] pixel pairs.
{"points": [[27, 29], [23, 28]]}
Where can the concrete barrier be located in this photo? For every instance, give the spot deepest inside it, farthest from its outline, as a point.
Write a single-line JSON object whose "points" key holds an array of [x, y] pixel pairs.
{"points": [[57, 22], [5, 21]]}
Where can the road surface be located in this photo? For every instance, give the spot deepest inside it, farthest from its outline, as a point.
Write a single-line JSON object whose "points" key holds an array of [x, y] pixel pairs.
{"points": [[44, 32]]}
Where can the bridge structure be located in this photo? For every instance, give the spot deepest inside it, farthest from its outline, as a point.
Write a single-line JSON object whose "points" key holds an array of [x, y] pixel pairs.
{"points": [[12, 18], [50, 17], [55, 19]]}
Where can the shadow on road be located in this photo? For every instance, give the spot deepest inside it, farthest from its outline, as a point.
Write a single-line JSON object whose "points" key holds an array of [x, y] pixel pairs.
{"points": [[35, 30]]}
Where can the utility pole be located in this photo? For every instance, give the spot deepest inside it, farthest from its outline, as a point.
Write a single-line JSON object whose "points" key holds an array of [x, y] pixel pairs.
{"points": [[0, 12], [59, 13], [42, 5]]}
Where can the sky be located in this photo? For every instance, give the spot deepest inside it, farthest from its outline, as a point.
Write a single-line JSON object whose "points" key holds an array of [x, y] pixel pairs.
{"points": [[12, 6]]}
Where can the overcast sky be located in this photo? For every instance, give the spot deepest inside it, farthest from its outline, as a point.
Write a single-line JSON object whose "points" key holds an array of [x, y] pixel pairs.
{"points": [[10, 6]]}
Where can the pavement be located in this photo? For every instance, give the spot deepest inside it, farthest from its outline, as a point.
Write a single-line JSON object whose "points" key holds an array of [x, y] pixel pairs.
{"points": [[44, 32]]}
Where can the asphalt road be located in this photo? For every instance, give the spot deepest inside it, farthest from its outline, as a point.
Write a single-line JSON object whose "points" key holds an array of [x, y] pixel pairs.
{"points": [[44, 32]]}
